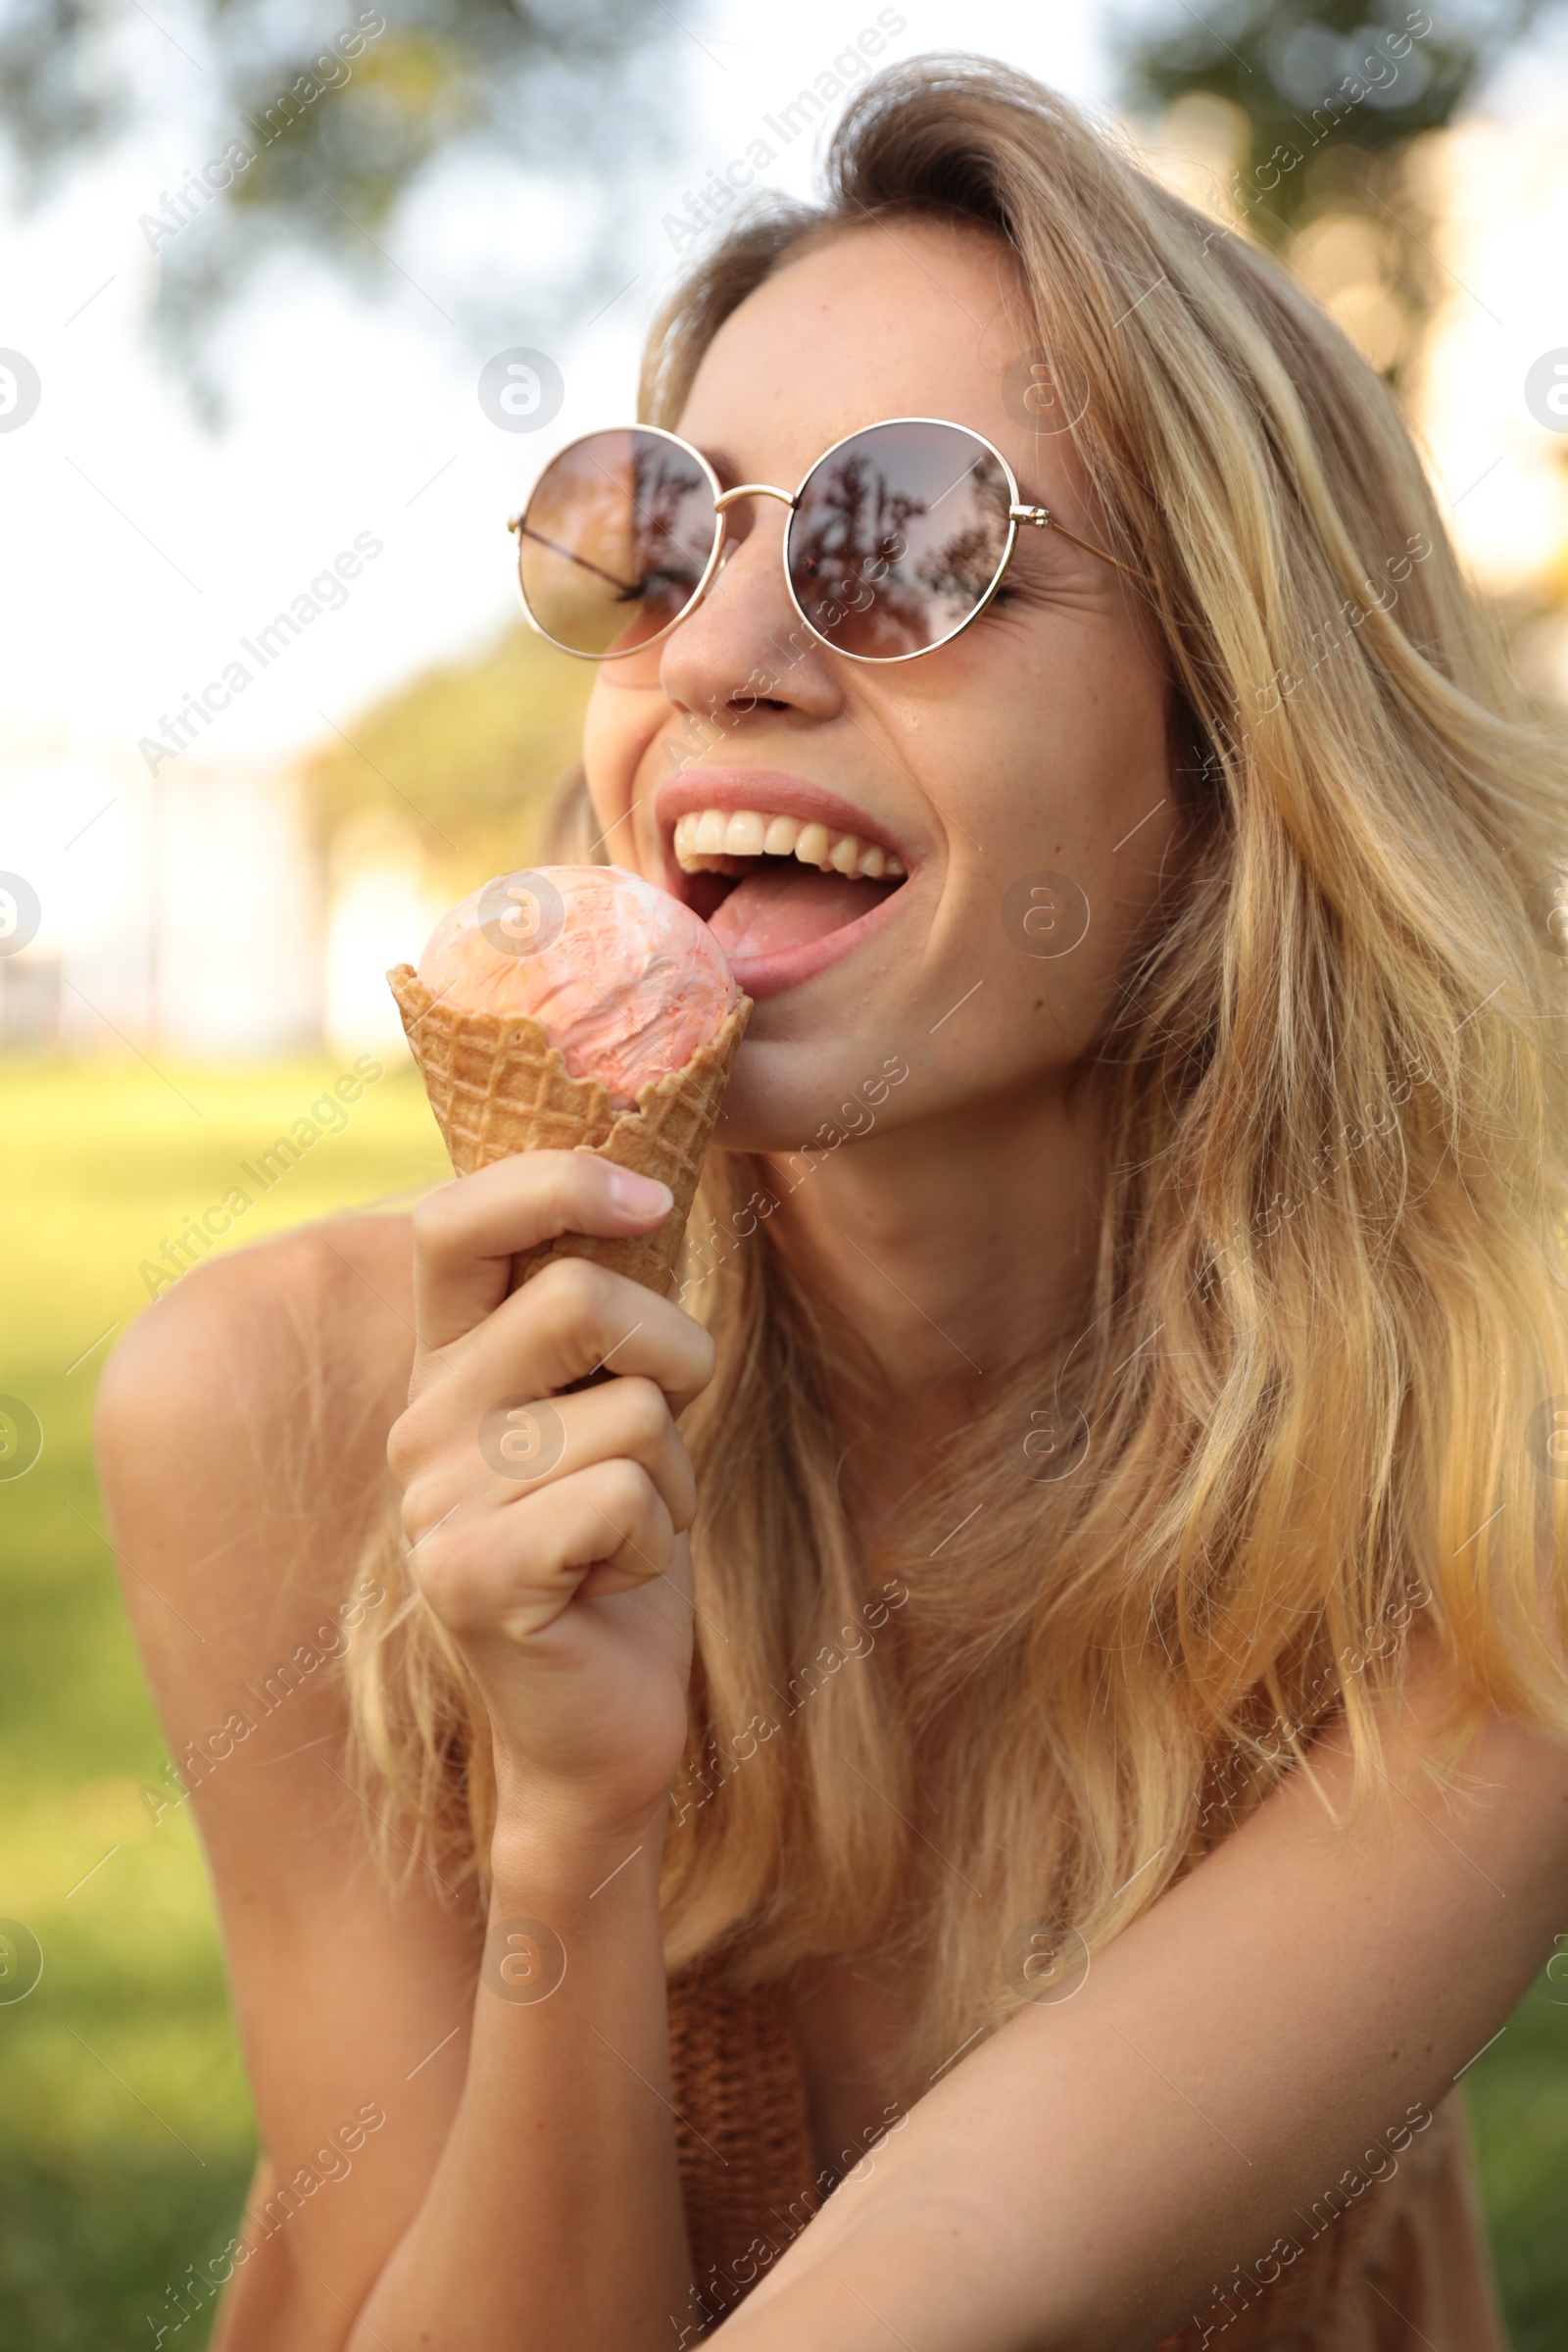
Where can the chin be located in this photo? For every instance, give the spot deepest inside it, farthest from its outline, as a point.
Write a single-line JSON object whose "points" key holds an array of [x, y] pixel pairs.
{"points": [[813, 1096], [762, 1111]]}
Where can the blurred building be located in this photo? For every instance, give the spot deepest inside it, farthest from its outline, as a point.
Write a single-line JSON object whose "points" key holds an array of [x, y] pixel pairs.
{"points": [[193, 913]]}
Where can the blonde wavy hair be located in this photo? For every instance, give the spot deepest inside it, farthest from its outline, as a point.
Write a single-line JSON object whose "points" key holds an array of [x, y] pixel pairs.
{"points": [[1320, 1377]]}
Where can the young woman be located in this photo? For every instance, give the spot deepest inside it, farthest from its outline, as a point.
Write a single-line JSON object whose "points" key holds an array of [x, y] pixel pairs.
{"points": [[991, 1791]]}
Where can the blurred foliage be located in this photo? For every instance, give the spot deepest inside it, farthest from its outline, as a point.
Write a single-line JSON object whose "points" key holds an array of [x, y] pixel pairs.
{"points": [[1328, 108], [1519, 2115], [312, 123], [1312, 77], [461, 765]]}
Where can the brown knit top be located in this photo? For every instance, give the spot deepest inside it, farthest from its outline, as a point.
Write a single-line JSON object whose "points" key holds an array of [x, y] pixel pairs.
{"points": [[1397, 2265]]}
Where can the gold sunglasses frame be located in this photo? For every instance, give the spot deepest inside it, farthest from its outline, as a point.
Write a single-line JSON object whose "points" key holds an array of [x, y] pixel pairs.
{"points": [[1019, 512]]}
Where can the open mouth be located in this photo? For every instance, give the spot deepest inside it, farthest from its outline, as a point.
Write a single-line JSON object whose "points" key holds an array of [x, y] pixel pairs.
{"points": [[767, 884]]}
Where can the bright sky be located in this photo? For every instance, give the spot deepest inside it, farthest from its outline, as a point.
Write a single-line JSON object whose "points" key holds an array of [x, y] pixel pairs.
{"points": [[140, 550]]}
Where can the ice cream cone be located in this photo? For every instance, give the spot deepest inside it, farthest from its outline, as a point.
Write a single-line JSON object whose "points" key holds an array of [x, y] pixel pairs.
{"points": [[497, 1084]]}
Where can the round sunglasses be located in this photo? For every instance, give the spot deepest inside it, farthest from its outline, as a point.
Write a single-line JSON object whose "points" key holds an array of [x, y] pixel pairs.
{"points": [[896, 539]]}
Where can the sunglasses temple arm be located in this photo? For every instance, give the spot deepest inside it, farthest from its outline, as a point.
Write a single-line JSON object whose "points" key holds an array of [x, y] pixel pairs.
{"points": [[1089, 550], [626, 587]]}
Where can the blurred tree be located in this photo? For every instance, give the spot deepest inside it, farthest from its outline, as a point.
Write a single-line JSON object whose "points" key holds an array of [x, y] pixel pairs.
{"points": [[463, 761], [1333, 104], [1331, 115], [313, 123]]}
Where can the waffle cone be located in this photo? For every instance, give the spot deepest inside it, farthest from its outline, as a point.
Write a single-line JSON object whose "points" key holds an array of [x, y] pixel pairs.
{"points": [[497, 1084]]}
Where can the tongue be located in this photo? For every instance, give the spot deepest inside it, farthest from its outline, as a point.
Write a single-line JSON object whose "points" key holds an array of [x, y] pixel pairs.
{"points": [[769, 912]]}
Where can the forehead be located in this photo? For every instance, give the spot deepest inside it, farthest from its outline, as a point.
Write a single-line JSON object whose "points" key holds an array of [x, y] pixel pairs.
{"points": [[902, 319]]}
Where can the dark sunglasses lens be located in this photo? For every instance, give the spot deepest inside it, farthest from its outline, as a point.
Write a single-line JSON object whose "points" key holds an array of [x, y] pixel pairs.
{"points": [[615, 541], [898, 537]]}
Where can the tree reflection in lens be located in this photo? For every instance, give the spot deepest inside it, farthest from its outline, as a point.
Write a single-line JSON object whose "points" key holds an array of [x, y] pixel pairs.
{"points": [[615, 540], [898, 536], [672, 530]]}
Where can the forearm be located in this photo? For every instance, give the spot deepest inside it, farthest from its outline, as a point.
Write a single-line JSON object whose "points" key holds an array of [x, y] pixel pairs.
{"points": [[1087, 2179], [554, 2216]]}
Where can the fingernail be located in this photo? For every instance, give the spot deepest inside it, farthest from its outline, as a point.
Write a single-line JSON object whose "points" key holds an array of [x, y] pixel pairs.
{"points": [[642, 1195]]}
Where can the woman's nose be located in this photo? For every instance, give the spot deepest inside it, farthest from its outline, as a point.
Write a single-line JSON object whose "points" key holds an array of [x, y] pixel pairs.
{"points": [[745, 645]]}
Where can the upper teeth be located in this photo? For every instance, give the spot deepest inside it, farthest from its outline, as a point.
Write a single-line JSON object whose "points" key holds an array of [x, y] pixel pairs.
{"points": [[704, 835]]}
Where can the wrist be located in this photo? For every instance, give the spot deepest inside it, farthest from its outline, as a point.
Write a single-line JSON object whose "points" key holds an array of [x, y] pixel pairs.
{"points": [[550, 1839], [579, 1901]]}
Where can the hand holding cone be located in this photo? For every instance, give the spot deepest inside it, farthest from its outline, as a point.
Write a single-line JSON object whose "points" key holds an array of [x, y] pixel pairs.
{"points": [[626, 978]]}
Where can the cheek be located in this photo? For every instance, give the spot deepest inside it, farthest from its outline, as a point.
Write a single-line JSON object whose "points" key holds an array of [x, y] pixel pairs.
{"points": [[607, 749], [1066, 795], [1048, 761], [617, 730], [1083, 757]]}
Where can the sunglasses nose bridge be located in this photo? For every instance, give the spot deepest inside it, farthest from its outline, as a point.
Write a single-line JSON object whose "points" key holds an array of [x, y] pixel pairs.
{"points": [[726, 498]]}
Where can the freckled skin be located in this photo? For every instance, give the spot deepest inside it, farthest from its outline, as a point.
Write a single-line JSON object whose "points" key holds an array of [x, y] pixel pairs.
{"points": [[1035, 741]]}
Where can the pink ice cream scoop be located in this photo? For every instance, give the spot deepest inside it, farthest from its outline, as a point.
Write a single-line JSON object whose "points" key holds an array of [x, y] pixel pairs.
{"points": [[628, 981]]}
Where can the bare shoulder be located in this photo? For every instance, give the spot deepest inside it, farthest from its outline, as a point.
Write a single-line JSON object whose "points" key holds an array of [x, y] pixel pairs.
{"points": [[244, 1416], [242, 1445], [331, 1295], [315, 1328]]}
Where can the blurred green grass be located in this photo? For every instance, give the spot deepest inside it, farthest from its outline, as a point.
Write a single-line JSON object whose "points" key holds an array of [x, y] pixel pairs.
{"points": [[126, 2134]]}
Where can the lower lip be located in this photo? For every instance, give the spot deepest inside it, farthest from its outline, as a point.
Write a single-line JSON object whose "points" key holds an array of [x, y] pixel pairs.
{"points": [[770, 975]]}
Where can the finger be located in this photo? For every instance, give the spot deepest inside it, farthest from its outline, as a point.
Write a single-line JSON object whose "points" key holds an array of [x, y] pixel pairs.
{"points": [[511, 1573], [466, 1234], [442, 1454], [572, 1319], [619, 1420]]}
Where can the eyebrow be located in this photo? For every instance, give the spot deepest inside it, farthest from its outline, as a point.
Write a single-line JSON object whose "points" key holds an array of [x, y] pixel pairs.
{"points": [[723, 464]]}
